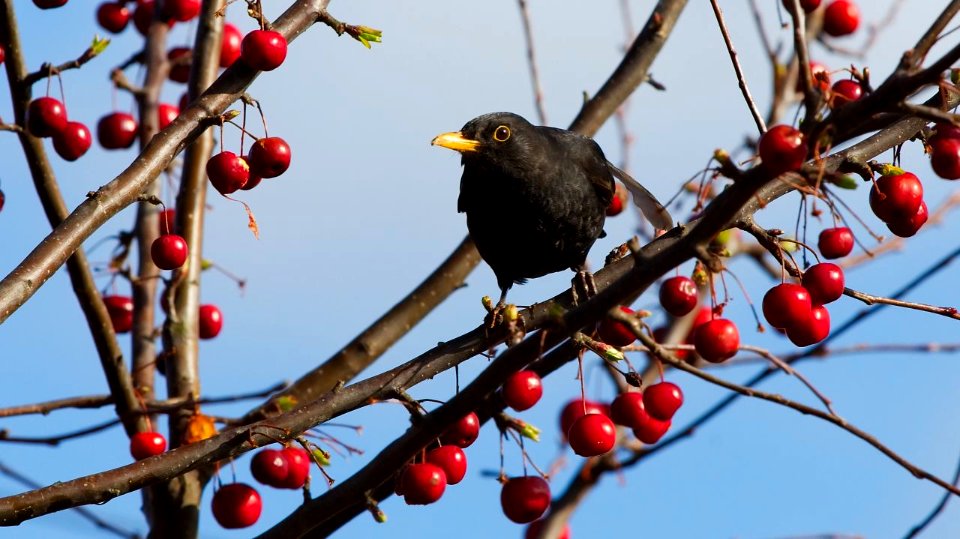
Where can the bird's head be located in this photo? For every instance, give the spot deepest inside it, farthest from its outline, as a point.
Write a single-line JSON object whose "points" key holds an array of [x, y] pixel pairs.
{"points": [[499, 136]]}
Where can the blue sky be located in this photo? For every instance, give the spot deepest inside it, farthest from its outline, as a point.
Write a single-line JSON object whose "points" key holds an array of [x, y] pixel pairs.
{"points": [[368, 208]]}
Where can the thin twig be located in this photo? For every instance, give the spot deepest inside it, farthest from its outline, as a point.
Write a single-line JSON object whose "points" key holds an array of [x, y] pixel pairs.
{"points": [[922, 525], [532, 62], [55, 440], [949, 312], [741, 78]]}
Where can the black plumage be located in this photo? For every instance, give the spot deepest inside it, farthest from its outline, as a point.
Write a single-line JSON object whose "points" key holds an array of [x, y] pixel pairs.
{"points": [[535, 196]]}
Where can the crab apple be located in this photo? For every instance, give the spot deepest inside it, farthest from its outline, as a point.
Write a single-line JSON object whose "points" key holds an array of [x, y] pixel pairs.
{"points": [[227, 172], [298, 467], [236, 505], [3, 199], [49, 4], [945, 157], [627, 409], [179, 58], [577, 408], [73, 141], [649, 430], [782, 149], [718, 340], [423, 483], [907, 227], [452, 460], [120, 309], [525, 499], [143, 16], [269, 157], [896, 196], [945, 131], [166, 114], [836, 242], [662, 400], [844, 91], [819, 77], [253, 180], [812, 330], [46, 117], [462, 433], [147, 444], [786, 304], [180, 10], [113, 16], [117, 131], [592, 435], [841, 18], [263, 50], [678, 295], [614, 332], [230, 45], [522, 390], [169, 251], [270, 467], [807, 5], [825, 282], [618, 202], [3, 54], [535, 530], [211, 321]]}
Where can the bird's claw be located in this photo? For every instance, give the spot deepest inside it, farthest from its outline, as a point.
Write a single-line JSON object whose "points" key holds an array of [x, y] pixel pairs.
{"points": [[583, 286]]}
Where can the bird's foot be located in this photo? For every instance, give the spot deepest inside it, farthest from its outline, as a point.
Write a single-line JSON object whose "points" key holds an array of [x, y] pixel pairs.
{"points": [[583, 286]]}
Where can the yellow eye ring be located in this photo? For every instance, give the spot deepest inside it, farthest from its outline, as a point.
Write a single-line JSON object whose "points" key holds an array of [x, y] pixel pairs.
{"points": [[501, 133]]}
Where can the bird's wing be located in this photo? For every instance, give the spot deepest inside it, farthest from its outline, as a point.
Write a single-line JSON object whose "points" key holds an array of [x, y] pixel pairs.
{"points": [[651, 208]]}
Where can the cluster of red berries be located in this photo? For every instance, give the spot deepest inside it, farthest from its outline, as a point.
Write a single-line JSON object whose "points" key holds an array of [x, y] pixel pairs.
{"points": [[269, 157], [422, 483], [945, 151], [47, 118], [800, 309], [840, 18], [897, 199]]}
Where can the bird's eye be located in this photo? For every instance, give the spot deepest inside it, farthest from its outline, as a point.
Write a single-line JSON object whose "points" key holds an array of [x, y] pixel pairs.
{"points": [[501, 133]]}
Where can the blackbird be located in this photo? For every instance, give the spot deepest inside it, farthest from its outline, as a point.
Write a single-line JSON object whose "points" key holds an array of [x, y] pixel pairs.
{"points": [[536, 196]]}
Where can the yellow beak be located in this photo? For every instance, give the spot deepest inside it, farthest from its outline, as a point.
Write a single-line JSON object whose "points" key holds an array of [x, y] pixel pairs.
{"points": [[456, 141]]}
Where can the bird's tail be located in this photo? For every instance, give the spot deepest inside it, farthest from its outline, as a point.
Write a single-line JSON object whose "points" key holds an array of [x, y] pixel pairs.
{"points": [[651, 208]]}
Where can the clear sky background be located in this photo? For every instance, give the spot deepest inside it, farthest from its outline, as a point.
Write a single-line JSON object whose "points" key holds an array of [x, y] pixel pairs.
{"points": [[368, 208]]}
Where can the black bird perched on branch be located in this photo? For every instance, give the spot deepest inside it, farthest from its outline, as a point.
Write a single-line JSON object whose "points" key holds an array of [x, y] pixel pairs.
{"points": [[536, 196]]}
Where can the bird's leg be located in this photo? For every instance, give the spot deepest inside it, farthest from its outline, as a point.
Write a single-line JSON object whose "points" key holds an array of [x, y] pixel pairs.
{"points": [[495, 314], [583, 286]]}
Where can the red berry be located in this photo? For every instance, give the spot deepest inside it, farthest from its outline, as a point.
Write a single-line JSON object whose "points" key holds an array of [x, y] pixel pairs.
{"points": [[845, 91], [73, 141], [143, 16], [945, 131], [678, 295], [179, 59], [147, 444], [616, 333], [896, 196], [46, 117], [786, 304], [120, 309], [717, 340], [627, 409], [525, 499], [49, 4], [180, 10], [782, 149], [618, 201], [263, 50], [945, 157], [423, 483], [230, 45], [462, 433], [535, 529], [592, 435], [270, 467], [825, 283], [522, 390], [113, 16], [166, 114], [841, 18], [906, 228], [298, 467], [3, 54], [169, 251], [835, 242], [812, 330], [662, 400], [577, 408], [451, 460], [253, 180], [117, 131], [227, 172], [651, 429], [807, 5], [236, 505], [269, 157], [211, 321], [819, 77], [3, 198]]}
